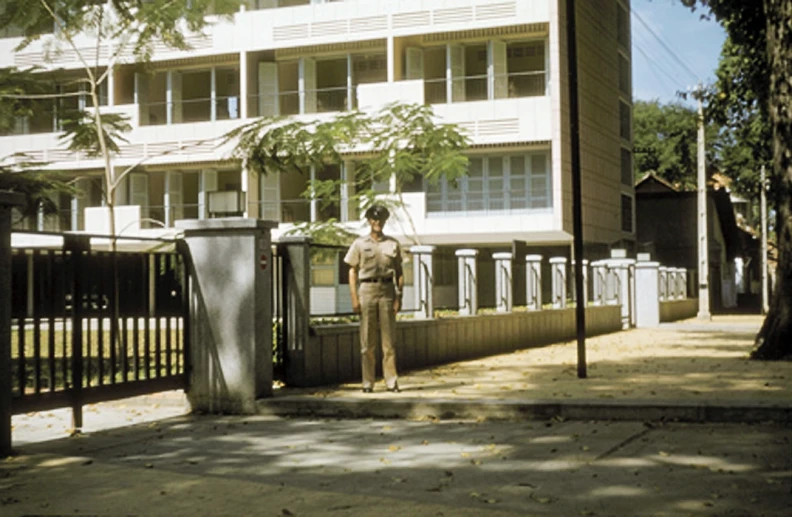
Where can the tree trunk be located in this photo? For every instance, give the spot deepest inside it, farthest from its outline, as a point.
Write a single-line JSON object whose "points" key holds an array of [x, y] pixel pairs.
{"points": [[774, 340]]}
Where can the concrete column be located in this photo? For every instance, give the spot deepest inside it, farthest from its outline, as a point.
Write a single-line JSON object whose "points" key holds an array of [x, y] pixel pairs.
{"points": [[663, 282], [533, 282], [8, 200], [504, 299], [647, 296], [599, 271], [585, 282], [683, 282], [624, 270], [559, 281], [230, 263], [671, 284], [468, 288], [302, 364], [423, 281]]}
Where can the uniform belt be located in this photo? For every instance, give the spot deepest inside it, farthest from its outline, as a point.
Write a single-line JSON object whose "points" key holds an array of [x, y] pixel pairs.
{"points": [[383, 280]]}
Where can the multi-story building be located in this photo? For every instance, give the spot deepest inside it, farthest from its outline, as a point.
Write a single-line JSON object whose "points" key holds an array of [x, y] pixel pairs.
{"points": [[497, 68]]}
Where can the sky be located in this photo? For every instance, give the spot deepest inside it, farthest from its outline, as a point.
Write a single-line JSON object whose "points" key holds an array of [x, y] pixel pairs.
{"points": [[679, 36]]}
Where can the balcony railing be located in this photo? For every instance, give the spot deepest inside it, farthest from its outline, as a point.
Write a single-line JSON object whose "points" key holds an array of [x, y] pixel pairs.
{"points": [[476, 87], [190, 110]]}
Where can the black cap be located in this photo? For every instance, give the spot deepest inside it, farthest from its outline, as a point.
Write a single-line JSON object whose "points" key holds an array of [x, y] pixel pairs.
{"points": [[377, 212]]}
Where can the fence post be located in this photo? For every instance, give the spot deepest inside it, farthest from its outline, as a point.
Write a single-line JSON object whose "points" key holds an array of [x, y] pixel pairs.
{"points": [[533, 282], [559, 284], [624, 270], [647, 295], [503, 282], [468, 286], [296, 315], [599, 272], [79, 246], [423, 282], [8, 200], [663, 282], [229, 261], [683, 282]]}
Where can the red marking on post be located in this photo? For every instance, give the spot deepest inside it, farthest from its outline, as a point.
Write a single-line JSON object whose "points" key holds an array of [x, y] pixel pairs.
{"points": [[263, 262]]}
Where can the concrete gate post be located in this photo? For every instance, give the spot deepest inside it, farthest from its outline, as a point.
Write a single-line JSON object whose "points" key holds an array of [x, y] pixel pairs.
{"points": [[533, 282], [468, 282], [423, 281], [559, 281], [647, 296], [504, 300], [8, 200], [230, 262]]}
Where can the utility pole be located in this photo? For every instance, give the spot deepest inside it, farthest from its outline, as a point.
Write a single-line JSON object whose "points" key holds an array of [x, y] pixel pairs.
{"points": [[703, 247], [577, 213], [763, 217]]}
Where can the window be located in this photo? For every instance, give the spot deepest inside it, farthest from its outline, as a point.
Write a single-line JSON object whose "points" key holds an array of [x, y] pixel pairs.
{"points": [[625, 121], [624, 75], [623, 26], [627, 213], [526, 65], [626, 167], [496, 184], [323, 266]]}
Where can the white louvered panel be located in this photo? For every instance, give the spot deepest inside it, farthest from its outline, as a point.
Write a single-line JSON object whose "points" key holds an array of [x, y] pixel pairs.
{"points": [[60, 155], [158, 148], [288, 32], [199, 41], [24, 59], [453, 15], [414, 19], [198, 146], [332, 28], [467, 128], [30, 156], [134, 151], [493, 11], [503, 127], [368, 24]]}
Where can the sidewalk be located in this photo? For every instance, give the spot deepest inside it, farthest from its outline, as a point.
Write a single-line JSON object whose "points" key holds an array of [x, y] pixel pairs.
{"points": [[692, 371], [461, 451]]}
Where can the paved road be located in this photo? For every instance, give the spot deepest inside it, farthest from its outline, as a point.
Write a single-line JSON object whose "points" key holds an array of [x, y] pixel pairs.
{"points": [[275, 466]]}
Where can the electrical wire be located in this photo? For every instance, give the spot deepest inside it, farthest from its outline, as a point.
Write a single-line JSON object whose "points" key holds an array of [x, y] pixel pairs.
{"points": [[667, 48]]}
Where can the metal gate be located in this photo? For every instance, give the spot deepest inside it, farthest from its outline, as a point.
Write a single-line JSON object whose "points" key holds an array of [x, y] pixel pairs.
{"points": [[91, 325]]}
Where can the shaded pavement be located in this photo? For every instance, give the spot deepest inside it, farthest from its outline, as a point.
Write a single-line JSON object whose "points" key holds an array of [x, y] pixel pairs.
{"points": [[454, 452]]}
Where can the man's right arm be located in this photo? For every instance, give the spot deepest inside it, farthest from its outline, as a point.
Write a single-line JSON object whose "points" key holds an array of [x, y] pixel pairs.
{"points": [[353, 291]]}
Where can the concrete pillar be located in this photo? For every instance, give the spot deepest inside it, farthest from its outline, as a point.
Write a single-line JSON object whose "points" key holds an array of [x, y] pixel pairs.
{"points": [[8, 200], [624, 270], [533, 282], [683, 282], [559, 281], [230, 263], [663, 283], [599, 272], [468, 288], [647, 296], [504, 299], [301, 364], [423, 282], [671, 284], [585, 282]]}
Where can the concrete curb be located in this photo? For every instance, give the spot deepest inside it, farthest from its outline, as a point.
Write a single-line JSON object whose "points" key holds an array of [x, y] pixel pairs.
{"points": [[446, 409]]}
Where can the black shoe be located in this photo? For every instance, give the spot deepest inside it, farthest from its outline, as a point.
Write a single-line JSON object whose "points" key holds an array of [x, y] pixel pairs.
{"points": [[368, 390], [394, 389]]}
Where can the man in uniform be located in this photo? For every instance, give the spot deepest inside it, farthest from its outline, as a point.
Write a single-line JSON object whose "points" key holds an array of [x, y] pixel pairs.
{"points": [[375, 263]]}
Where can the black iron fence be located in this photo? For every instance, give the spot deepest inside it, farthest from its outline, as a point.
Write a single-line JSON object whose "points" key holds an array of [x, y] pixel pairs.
{"points": [[90, 325]]}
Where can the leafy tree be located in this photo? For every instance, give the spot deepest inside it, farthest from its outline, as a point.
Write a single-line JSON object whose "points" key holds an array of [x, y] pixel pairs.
{"points": [[130, 28], [761, 32], [665, 137], [403, 142]]}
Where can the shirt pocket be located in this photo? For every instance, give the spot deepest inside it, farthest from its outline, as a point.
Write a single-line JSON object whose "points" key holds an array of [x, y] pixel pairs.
{"points": [[368, 258]]}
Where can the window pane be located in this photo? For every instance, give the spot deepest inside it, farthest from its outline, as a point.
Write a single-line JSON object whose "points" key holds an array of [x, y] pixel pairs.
{"points": [[625, 128], [626, 167]]}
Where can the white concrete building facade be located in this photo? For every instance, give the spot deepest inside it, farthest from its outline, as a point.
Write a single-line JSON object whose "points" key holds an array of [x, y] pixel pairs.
{"points": [[497, 68]]}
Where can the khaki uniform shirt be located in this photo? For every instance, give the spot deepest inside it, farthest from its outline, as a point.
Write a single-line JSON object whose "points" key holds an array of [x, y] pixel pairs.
{"points": [[375, 259]]}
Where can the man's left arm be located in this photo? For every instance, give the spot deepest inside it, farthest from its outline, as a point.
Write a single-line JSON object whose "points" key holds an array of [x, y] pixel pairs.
{"points": [[399, 278]]}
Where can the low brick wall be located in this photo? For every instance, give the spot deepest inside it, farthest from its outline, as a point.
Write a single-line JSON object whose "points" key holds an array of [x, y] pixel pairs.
{"points": [[678, 309], [332, 352]]}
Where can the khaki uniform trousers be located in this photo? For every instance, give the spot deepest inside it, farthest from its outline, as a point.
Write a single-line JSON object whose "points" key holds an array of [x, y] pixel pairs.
{"points": [[377, 321]]}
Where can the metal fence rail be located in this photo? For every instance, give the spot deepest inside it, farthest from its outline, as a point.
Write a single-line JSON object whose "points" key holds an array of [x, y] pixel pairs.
{"points": [[91, 325]]}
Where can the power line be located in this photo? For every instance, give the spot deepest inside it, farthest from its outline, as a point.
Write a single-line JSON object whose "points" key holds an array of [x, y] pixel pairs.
{"points": [[668, 49], [657, 67]]}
